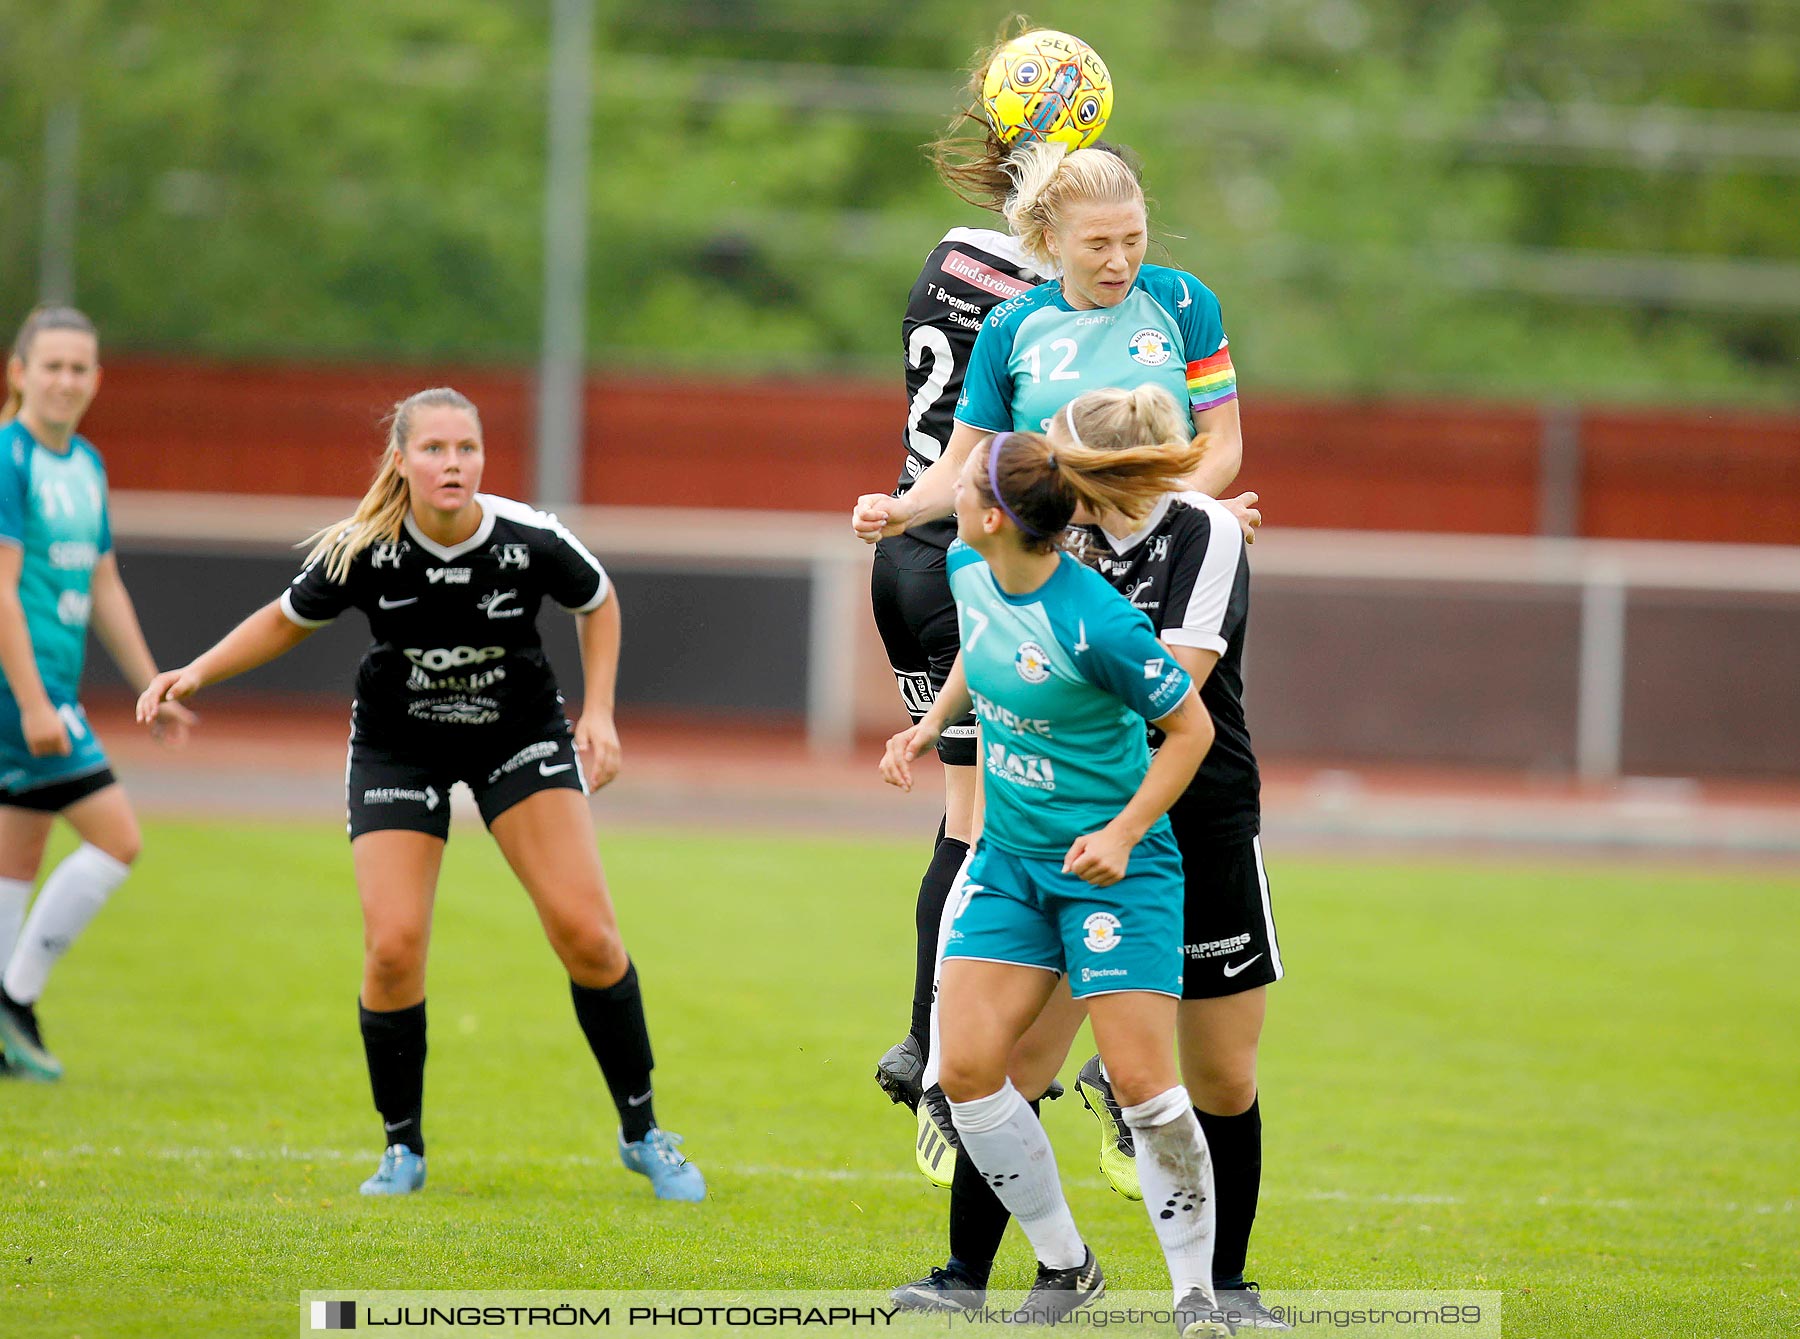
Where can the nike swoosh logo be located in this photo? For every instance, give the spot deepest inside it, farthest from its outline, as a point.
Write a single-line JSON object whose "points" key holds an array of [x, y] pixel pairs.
{"points": [[1186, 301], [637, 1101], [386, 603], [391, 1126], [1231, 971], [545, 769]]}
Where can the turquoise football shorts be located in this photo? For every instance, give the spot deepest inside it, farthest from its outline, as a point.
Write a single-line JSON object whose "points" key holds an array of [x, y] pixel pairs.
{"points": [[21, 774], [1023, 910]]}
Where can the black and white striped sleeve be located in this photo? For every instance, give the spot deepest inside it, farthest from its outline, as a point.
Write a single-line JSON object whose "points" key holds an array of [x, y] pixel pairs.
{"points": [[576, 580], [313, 599], [572, 576], [1209, 581]]}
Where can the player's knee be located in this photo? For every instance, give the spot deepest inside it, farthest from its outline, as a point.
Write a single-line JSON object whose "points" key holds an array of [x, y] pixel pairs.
{"points": [[1222, 1089], [394, 960], [124, 847], [1034, 1062], [965, 1078], [592, 953], [22, 865], [1135, 1082]]}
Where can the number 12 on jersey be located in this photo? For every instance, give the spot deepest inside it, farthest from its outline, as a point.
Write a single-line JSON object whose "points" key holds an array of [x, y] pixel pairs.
{"points": [[1067, 348]]}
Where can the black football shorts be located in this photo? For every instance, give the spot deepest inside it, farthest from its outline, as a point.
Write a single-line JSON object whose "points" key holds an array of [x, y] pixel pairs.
{"points": [[916, 616], [408, 788], [1228, 928]]}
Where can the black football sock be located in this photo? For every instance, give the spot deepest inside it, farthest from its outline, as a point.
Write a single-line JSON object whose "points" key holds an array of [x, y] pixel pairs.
{"points": [[1235, 1143], [977, 1220], [934, 891], [394, 1042], [612, 1019]]}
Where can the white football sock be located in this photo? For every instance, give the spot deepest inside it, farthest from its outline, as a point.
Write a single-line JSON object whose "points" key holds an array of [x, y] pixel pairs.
{"points": [[15, 896], [75, 890], [1009, 1147], [952, 904], [1176, 1173]]}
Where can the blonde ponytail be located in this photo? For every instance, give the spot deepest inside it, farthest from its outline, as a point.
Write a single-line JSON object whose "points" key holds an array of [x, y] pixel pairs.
{"points": [[1038, 484], [1113, 418], [382, 511], [1129, 480]]}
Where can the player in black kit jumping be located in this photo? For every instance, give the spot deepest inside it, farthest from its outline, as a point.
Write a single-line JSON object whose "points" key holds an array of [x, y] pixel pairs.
{"points": [[456, 687]]}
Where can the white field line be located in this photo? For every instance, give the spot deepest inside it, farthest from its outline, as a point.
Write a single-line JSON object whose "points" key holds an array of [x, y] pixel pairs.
{"points": [[197, 1155]]}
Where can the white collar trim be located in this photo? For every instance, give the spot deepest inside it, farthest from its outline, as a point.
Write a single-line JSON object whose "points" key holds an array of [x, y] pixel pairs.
{"points": [[1123, 544], [474, 541]]}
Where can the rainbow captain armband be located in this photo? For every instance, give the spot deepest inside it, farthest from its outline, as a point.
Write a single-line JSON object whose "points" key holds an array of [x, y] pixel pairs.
{"points": [[1211, 381]]}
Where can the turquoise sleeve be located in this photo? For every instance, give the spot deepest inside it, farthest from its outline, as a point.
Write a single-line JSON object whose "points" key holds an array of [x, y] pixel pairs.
{"points": [[986, 400], [15, 505], [1125, 659]]}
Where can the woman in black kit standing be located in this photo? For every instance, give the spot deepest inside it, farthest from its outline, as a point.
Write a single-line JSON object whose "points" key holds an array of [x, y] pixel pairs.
{"points": [[456, 687]]}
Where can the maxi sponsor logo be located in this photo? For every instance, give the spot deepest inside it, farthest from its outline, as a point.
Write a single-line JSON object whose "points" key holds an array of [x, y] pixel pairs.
{"points": [[449, 576], [1022, 769]]}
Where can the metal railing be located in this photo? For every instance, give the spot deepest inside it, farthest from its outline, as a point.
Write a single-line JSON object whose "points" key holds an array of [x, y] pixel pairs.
{"points": [[821, 549]]}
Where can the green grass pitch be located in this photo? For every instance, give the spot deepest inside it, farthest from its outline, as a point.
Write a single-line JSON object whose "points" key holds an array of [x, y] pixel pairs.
{"points": [[1574, 1083]]}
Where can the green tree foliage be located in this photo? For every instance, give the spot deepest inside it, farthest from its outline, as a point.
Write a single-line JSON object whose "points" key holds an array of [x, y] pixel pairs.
{"points": [[1588, 198]]}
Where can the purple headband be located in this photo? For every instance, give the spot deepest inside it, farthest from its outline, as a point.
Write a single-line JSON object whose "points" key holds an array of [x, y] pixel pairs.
{"points": [[994, 486]]}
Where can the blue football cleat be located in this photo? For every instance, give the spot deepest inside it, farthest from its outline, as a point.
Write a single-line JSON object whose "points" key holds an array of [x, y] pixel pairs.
{"points": [[658, 1156], [401, 1173]]}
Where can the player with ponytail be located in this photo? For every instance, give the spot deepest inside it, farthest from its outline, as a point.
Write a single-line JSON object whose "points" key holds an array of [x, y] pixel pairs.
{"points": [[1075, 876], [1180, 555], [455, 687]]}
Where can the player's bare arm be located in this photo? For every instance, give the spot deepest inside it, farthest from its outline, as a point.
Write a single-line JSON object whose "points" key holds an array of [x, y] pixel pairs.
{"points": [[44, 730], [260, 638], [877, 515], [1223, 429], [596, 736], [115, 622]]}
